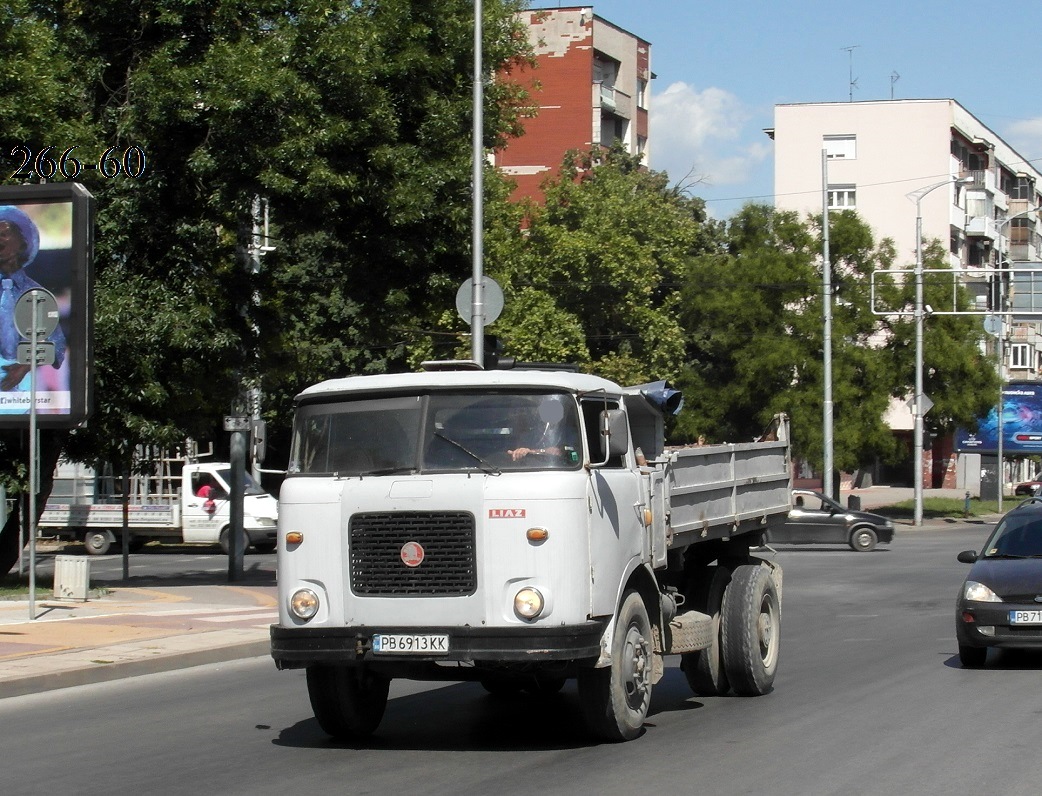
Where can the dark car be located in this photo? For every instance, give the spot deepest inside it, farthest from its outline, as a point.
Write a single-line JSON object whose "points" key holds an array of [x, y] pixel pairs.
{"points": [[816, 519], [1000, 604]]}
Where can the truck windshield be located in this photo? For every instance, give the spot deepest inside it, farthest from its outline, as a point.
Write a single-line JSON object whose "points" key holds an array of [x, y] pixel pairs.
{"points": [[437, 432], [251, 486]]}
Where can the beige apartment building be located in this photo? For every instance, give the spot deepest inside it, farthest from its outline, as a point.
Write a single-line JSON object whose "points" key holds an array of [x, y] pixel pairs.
{"points": [[879, 152]]}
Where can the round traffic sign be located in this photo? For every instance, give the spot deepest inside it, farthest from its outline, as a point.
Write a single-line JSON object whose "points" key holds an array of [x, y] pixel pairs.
{"points": [[46, 312], [493, 299], [992, 325]]}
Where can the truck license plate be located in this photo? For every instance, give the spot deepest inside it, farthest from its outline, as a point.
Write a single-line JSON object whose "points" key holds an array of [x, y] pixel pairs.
{"points": [[1032, 617], [410, 642]]}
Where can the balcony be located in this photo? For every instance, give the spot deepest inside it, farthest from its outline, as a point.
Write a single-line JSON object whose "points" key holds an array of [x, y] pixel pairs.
{"points": [[615, 101], [981, 227], [982, 179]]}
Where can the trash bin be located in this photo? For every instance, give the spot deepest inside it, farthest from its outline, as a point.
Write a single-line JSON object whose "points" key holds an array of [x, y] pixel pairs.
{"points": [[854, 502], [71, 578]]}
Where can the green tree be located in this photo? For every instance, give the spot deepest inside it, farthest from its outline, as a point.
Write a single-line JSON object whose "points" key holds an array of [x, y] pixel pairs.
{"points": [[960, 380], [753, 315], [43, 102], [592, 277], [352, 118]]}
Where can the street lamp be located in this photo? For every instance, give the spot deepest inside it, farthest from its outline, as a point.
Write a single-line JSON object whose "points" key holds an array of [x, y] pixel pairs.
{"points": [[917, 409], [1000, 344]]}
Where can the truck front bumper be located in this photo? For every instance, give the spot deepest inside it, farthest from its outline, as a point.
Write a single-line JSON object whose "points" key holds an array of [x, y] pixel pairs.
{"points": [[293, 648]]}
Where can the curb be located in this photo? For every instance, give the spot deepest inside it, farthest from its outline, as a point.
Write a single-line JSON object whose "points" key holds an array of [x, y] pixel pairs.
{"points": [[80, 673]]}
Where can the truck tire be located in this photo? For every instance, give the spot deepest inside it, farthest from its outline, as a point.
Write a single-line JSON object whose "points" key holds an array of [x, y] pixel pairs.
{"points": [[225, 541], [98, 543], [615, 699], [347, 701], [751, 630], [704, 669], [863, 539]]}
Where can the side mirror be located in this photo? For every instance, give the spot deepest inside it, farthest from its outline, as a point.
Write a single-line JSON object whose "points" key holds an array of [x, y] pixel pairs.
{"points": [[614, 433], [967, 556]]}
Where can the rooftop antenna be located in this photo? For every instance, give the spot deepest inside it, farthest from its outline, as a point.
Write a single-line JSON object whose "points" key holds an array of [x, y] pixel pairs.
{"points": [[853, 81], [894, 77]]}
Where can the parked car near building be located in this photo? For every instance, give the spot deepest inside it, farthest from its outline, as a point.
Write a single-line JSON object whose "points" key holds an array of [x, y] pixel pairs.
{"points": [[816, 519], [1027, 488], [1000, 603]]}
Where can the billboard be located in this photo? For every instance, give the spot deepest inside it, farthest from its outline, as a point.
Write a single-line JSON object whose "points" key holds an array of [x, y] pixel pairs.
{"points": [[1021, 424], [46, 241]]}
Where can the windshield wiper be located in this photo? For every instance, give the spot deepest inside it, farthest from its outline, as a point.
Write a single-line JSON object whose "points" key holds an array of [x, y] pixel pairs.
{"points": [[488, 467]]}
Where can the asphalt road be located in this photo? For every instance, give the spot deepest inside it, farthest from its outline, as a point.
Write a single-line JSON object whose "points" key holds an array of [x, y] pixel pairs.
{"points": [[870, 699]]}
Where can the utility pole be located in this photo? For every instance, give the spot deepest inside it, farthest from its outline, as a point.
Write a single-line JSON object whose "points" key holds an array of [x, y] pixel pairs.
{"points": [[826, 278], [254, 396], [477, 301]]}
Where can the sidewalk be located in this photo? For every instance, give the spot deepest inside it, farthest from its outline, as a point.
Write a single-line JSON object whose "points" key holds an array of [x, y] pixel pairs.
{"points": [[156, 624], [129, 631], [872, 497]]}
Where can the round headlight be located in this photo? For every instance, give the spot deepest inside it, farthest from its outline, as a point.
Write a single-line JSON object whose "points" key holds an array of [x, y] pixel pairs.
{"points": [[528, 603], [304, 603]]}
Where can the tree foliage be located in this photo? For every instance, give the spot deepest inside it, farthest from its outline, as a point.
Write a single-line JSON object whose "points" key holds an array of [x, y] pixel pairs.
{"points": [[753, 313], [351, 117], [593, 277]]}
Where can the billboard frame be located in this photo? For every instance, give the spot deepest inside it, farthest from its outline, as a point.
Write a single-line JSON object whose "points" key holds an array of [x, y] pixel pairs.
{"points": [[77, 322]]}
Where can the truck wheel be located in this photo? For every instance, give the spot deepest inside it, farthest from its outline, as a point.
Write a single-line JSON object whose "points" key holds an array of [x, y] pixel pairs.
{"points": [[97, 543], [615, 698], [863, 539], [225, 541], [751, 630], [348, 701], [704, 669]]}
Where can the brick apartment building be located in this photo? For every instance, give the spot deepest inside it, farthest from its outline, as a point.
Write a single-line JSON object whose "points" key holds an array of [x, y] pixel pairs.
{"points": [[591, 86]]}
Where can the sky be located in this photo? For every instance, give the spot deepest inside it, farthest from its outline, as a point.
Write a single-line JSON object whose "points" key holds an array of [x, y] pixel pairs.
{"points": [[721, 67]]}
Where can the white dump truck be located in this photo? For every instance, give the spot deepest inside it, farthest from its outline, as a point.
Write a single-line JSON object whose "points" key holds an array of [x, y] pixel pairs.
{"points": [[521, 528], [88, 507]]}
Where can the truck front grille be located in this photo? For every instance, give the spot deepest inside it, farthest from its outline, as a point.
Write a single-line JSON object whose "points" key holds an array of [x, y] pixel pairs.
{"points": [[448, 567]]}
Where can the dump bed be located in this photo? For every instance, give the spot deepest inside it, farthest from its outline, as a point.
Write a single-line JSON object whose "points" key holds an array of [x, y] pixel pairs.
{"points": [[714, 491]]}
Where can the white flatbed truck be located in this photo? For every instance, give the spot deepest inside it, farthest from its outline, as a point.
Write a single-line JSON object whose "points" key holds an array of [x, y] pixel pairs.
{"points": [[88, 508], [520, 528]]}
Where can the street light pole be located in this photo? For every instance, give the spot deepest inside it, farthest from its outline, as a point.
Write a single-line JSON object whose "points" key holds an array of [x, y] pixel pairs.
{"points": [[477, 303], [1000, 345], [917, 409], [826, 277]]}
